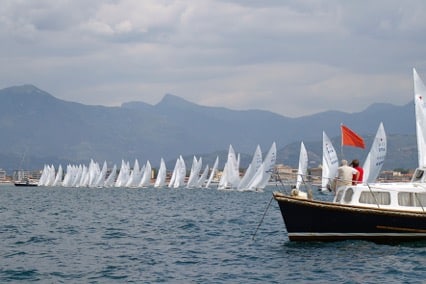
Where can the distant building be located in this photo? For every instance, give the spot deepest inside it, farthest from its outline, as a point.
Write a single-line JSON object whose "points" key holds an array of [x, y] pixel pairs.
{"points": [[2, 174]]}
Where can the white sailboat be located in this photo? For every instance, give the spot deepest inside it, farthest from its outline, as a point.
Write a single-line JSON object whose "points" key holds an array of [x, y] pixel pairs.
{"points": [[174, 173], [146, 176], [180, 174], [263, 174], [302, 170], [231, 174], [251, 170], [43, 177], [110, 180], [161, 175], [100, 179], [68, 178], [194, 173], [213, 172], [420, 111], [58, 178], [94, 171], [375, 158], [50, 178], [123, 175], [330, 163], [203, 177], [134, 176]]}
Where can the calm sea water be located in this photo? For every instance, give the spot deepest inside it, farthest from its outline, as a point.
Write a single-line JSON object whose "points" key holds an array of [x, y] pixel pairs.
{"points": [[80, 235]]}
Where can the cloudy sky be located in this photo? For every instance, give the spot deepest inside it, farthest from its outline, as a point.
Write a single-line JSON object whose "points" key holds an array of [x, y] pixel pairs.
{"points": [[294, 58]]}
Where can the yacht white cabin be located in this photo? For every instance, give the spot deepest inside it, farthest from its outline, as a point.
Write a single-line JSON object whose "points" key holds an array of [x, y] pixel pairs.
{"points": [[408, 196]]}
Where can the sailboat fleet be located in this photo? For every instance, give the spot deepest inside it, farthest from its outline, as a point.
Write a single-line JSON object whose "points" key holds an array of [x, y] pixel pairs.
{"points": [[256, 176], [95, 176]]}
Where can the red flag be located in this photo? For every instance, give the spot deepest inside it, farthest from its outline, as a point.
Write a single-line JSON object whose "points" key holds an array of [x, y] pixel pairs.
{"points": [[350, 138]]}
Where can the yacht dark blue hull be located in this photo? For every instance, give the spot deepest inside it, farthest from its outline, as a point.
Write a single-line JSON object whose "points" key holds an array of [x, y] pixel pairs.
{"points": [[309, 220]]}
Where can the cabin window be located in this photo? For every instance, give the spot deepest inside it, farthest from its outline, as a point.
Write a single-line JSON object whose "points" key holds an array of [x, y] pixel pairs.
{"points": [[412, 199], [339, 195], [381, 198], [348, 195]]}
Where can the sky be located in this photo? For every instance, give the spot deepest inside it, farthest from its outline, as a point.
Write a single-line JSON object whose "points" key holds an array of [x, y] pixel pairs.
{"points": [[294, 58]]}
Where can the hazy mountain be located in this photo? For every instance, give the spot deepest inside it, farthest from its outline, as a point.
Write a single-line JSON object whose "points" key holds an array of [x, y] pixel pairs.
{"points": [[38, 128]]}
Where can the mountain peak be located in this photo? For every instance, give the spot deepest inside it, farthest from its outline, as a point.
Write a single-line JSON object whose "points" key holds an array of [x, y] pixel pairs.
{"points": [[170, 100], [25, 90]]}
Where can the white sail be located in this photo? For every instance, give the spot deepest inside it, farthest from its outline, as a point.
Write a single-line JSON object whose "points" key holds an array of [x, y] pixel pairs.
{"points": [[213, 172], [84, 180], [223, 177], [203, 177], [94, 171], [330, 163], [67, 177], [161, 175], [180, 174], [100, 179], [135, 175], [420, 110], [257, 178], [194, 173], [174, 173], [231, 174], [375, 158], [251, 169], [58, 178], [77, 176], [146, 176], [50, 176], [123, 175], [303, 166], [110, 180], [263, 174], [43, 176]]}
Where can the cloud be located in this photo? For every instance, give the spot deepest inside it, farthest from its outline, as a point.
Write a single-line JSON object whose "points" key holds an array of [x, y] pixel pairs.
{"points": [[291, 57]]}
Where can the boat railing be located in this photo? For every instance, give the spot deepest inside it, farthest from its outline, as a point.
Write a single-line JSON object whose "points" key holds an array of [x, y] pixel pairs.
{"points": [[374, 196], [419, 201]]}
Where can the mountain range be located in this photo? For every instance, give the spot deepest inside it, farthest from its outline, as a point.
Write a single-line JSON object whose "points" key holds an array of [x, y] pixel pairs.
{"points": [[38, 128]]}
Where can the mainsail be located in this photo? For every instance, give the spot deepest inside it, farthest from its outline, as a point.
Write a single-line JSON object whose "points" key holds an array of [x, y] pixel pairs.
{"points": [[303, 166], [263, 174], [330, 163], [231, 175], [180, 174], [375, 158], [420, 110], [195, 172], [146, 175], [251, 169], [203, 177], [213, 172], [161, 176]]}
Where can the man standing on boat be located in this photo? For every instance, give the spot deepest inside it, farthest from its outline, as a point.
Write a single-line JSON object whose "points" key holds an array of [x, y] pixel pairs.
{"points": [[344, 175]]}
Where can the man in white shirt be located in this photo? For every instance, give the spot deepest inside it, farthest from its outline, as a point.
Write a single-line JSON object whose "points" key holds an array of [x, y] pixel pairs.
{"points": [[344, 175]]}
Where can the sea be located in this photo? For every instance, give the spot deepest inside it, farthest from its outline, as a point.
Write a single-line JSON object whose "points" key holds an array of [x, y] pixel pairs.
{"points": [[122, 235]]}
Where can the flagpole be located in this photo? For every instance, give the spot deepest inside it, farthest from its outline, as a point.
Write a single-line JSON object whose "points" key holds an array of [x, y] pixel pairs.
{"points": [[341, 142]]}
